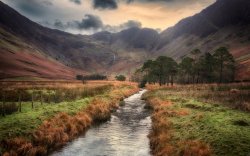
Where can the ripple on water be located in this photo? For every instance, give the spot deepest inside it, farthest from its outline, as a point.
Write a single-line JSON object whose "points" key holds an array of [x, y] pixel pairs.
{"points": [[124, 135]]}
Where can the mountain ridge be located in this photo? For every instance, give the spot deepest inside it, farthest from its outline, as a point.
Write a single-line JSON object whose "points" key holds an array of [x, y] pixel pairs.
{"points": [[123, 52]]}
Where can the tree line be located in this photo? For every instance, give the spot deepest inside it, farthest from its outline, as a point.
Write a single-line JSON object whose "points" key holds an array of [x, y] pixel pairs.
{"points": [[196, 68], [91, 77]]}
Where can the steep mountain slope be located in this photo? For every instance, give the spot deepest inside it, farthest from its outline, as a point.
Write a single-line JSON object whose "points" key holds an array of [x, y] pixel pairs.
{"points": [[132, 38], [19, 59], [73, 50], [78, 51], [224, 23]]}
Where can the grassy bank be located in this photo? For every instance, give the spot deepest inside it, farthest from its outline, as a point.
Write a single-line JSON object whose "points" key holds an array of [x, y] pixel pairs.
{"points": [[198, 120], [46, 127]]}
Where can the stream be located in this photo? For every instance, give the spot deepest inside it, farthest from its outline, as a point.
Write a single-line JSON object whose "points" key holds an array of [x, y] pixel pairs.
{"points": [[125, 134]]}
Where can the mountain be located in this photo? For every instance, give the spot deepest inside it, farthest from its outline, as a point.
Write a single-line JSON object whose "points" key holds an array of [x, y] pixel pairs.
{"points": [[85, 54], [224, 23], [133, 38], [72, 52]]}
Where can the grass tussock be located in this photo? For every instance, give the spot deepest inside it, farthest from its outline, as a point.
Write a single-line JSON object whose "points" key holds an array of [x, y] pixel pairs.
{"points": [[161, 135], [63, 127], [187, 124], [194, 148]]}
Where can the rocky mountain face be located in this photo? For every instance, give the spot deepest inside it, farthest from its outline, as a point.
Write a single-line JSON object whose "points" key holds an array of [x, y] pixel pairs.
{"points": [[133, 38], [224, 23]]}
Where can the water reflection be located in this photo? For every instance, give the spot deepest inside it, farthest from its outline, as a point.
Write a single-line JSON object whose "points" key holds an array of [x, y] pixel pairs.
{"points": [[124, 135]]}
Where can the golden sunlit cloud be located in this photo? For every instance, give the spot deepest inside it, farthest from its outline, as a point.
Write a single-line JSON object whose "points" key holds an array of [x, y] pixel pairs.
{"points": [[157, 14]]}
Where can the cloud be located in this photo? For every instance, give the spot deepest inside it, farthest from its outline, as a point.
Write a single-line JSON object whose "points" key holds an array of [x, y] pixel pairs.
{"points": [[151, 13], [58, 24], [90, 22], [145, 1], [181, 3], [105, 4], [78, 2], [35, 8], [46, 2], [126, 25]]}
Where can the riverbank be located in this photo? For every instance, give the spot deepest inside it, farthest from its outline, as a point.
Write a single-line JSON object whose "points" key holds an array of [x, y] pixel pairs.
{"points": [[51, 126], [125, 134], [193, 120]]}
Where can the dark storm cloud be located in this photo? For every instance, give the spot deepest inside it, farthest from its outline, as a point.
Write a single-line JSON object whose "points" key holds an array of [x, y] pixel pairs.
{"points": [[105, 4], [90, 22], [76, 1], [129, 1], [180, 2], [33, 7]]}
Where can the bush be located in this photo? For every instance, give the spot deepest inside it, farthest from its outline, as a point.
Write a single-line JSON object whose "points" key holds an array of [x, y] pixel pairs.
{"points": [[79, 77], [120, 78], [95, 77]]}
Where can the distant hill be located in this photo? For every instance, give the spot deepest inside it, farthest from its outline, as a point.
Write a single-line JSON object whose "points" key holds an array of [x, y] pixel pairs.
{"points": [[224, 23]]}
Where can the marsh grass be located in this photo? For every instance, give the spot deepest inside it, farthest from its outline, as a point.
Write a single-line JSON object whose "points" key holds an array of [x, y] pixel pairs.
{"points": [[235, 95], [19, 124], [40, 130], [208, 122]]}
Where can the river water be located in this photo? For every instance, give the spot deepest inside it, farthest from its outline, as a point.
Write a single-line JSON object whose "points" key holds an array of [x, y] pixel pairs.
{"points": [[124, 135]]}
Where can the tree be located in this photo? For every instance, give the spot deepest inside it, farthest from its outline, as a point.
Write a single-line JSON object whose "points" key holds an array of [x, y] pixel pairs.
{"points": [[120, 78], [225, 63], [79, 77], [150, 71], [163, 70], [207, 67], [186, 68], [196, 65], [95, 77], [171, 70]]}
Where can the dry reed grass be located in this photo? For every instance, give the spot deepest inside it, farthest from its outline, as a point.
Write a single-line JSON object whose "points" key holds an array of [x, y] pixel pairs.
{"points": [[194, 148], [161, 134], [55, 132], [234, 95]]}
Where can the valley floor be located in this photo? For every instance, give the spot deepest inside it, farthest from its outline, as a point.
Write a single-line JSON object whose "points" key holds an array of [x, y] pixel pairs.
{"points": [[200, 120], [65, 111]]}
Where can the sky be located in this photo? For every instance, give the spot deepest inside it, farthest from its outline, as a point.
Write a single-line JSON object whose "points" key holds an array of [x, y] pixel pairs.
{"points": [[91, 16]]}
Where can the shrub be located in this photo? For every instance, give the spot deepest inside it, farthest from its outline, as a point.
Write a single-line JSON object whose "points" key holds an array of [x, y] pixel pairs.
{"points": [[120, 78], [79, 77], [95, 77]]}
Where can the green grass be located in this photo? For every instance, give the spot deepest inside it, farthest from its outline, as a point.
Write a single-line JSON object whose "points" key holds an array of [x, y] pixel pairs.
{"points": [[22, 124], [225, 129]]}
